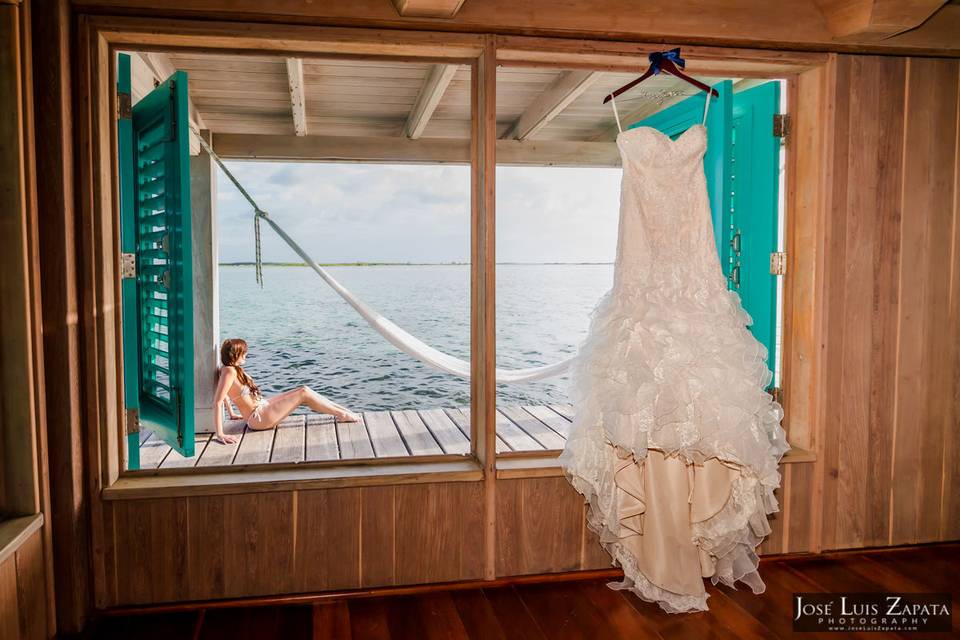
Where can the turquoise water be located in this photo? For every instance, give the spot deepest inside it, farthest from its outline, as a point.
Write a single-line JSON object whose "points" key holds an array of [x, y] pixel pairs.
{"points": [[300, 332]]}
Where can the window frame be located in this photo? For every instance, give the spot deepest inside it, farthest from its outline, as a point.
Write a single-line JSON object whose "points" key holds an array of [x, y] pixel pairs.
{"points": [[100, 37]]}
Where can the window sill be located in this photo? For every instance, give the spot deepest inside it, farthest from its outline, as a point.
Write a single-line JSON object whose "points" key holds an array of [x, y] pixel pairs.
{"points": [[545, 465], [15, 531], [132, 487]]}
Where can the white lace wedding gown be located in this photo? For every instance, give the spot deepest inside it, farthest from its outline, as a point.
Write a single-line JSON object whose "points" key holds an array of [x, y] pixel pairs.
{"points": [[675, 445]]}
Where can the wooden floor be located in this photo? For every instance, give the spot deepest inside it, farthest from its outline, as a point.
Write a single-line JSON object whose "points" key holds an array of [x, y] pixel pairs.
{"points": [[584, 609], [381, 434]]}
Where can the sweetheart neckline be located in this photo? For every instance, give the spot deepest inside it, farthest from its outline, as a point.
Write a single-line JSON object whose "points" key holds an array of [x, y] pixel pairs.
{"points": [[662, 134]]}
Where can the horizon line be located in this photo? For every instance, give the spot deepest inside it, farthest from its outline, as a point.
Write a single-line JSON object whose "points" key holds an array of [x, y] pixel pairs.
{"points": [[404, 264]]}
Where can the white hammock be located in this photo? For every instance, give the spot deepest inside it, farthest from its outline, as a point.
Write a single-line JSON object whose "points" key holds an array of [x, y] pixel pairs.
{"points": [[409, 344]]}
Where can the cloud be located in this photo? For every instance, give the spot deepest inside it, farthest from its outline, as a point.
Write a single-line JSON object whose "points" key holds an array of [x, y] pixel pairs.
{"points": [[418, 213]]}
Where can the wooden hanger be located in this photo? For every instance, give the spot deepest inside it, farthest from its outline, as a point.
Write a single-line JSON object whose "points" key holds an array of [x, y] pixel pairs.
{"points": [[663, 61]]}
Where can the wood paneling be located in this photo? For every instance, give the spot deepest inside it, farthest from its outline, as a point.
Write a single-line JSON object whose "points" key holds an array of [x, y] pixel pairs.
{"points": [[23, 603], [890, 401], [68, 520], [207, 547], [540, 524]]}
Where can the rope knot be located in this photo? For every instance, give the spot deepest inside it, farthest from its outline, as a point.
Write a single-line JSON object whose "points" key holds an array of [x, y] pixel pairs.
{"points": [[257, 214]]}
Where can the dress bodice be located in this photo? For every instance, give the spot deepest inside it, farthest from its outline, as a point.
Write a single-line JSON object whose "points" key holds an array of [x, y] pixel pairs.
{"points": [[666, 232]]}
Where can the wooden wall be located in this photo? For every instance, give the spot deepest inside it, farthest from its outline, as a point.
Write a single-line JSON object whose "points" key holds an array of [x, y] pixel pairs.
{"points": [[891, 450], [26, 592], [23, 592], [885, 434], [292, 541], [207, 547], [883, 421]]}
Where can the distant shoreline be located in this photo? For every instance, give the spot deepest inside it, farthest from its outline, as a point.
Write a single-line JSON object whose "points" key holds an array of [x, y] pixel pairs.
{"points": [[393, 264]]}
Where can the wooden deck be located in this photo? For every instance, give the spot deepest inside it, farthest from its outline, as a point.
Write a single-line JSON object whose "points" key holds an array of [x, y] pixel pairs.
{"points": [[381, 434]]}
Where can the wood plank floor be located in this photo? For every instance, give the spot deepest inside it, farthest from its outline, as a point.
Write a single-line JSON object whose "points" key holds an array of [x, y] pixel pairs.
{"points": [[583, 609], [380, 434]]}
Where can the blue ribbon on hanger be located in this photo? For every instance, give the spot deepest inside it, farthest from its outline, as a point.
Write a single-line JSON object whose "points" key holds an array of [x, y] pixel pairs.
{"points": [[657, 57]]}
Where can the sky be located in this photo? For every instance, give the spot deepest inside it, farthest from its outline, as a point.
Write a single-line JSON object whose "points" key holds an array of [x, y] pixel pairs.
{"points": [[417, 213]]}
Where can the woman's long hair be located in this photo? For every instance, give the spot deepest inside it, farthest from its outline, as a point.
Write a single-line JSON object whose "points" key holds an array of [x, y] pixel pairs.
{"points": [[231, 351]]}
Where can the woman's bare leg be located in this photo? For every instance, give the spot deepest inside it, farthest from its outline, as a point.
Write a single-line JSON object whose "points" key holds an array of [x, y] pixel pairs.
{"points": [[323, 404], [282, 405]]}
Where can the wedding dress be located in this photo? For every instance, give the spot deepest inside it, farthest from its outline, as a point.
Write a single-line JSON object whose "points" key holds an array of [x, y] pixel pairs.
{"points": [[675, 445]]}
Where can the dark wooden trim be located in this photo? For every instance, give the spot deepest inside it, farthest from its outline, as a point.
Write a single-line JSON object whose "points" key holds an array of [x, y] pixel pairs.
{"points": [[69, 521], [800, 28], [375, 592]]}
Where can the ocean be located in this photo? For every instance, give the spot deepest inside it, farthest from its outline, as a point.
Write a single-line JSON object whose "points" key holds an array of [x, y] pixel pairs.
{"points": [[302, 333]]}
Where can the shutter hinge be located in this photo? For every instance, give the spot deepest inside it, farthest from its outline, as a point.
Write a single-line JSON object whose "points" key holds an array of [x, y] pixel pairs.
{"points": [[128, 265], [778, 263], [124, 106], [133, 421], [777, 394], [781, 125]]}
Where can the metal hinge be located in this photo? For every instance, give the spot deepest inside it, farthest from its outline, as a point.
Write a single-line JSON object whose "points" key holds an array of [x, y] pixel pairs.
{"points": [[781, 125], [778, 263], [128, 265], [133, 421], [124, 106], [777, 394]]}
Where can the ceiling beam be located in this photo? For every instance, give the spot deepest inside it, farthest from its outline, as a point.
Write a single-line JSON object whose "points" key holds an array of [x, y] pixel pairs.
{"points": [[436, 83], [239, 146], [428, 8], [555, 98], [875, 20], [298, 104]]}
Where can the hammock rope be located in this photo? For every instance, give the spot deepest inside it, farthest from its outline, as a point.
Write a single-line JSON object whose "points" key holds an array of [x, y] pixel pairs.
{"points": [[395, 335]]}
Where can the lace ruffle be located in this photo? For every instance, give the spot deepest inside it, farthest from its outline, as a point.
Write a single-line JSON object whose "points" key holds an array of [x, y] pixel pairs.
{"points": [[729, 537]]}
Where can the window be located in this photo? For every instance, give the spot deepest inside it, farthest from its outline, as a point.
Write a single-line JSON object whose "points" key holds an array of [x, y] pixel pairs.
{"points": [[364, 163], [557, 220], [438, 118]]}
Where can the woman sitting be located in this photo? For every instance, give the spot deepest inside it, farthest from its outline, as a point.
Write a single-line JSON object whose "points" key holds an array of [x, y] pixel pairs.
{"points": [[236, 387]]}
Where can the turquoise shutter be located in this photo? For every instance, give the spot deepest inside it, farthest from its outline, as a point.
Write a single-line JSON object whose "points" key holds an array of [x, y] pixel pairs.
{"points": [[155, 232], [676, 119], [128, 242], [754, 210]]}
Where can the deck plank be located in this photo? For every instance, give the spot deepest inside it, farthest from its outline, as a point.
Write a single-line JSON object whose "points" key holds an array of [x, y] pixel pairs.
{"points": [[255, 447], [400, 433], [354, 440], [416, 434], [533, 427], [384, 435], [218, 454], [565, 410], [461, 416], [153, 451], [514, 436], [550, 418], [446, 432], [321, 438], [176, 461], [288, 446]]}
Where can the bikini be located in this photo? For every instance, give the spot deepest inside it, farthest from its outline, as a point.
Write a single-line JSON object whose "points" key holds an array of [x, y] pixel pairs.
{"points": [[262, 404]]}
